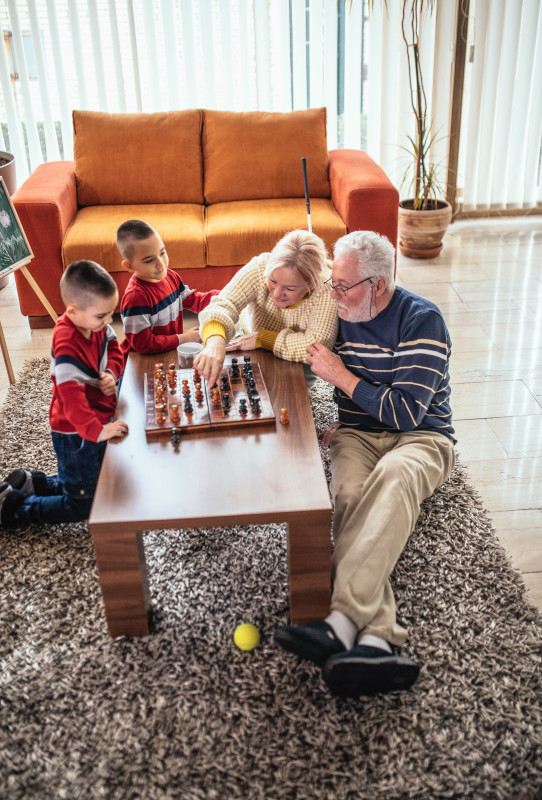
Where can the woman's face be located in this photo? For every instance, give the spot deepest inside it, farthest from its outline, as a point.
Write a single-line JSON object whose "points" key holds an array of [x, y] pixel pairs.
{"points": [[286, 287]]}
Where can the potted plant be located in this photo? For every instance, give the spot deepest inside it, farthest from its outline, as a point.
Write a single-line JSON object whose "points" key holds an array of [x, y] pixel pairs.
{"points": [[424, 217]]}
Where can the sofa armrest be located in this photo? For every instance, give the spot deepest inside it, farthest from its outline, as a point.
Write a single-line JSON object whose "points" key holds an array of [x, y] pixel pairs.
{"points": [[46, 204], [362, 193]]}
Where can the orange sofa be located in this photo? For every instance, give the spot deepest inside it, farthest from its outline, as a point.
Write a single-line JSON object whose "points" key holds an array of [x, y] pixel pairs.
{"points": [[219, 187]]}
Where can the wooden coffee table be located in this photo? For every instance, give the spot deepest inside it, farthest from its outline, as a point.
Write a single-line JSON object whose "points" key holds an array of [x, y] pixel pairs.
{"points": [[271, 473]]}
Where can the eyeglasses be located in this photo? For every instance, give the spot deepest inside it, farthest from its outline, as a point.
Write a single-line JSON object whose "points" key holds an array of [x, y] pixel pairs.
{"points": [[343, 290]]}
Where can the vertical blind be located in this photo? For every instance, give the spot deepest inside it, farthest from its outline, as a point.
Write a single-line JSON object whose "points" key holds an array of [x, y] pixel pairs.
{"points": [[280, 55]]}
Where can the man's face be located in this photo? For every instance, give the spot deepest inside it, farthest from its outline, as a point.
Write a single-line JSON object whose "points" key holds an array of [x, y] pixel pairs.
{"points": [[357, 304]]}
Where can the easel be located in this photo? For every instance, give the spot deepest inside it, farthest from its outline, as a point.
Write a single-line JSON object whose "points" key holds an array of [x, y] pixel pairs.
{"points": [[10, 220], [50, 310]]}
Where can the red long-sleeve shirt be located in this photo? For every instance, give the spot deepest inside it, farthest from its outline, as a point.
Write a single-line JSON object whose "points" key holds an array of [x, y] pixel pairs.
{"points": [[152, 313], [78, 405]]}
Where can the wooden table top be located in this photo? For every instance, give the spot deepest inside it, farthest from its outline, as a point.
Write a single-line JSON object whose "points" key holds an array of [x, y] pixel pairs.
{"points": [[233, 476]]}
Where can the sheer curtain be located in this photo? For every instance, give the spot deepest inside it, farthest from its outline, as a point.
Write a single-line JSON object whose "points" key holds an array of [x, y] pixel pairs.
{"points": [[279, 55]]}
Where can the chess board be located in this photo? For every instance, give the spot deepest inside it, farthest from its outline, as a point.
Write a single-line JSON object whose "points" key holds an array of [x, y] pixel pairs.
{"points": [[230, 404]]}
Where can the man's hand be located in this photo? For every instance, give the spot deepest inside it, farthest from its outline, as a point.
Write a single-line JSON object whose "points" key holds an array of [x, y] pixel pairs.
{"points": [[247, 342], [328, 432], [107, 383], [191, 335], [113, 430], [330, 368], [211, 359]]}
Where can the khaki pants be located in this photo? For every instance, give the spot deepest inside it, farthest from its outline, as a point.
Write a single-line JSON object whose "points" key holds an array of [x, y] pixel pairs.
{"points": [[378, 482]]}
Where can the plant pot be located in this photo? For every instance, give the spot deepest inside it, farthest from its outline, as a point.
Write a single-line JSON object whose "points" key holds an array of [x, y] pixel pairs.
{"points": [[421, 232], [7, 171]]}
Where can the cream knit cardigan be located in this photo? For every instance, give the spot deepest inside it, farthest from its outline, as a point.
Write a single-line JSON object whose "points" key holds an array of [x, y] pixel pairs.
{"points": [[246, 297]]}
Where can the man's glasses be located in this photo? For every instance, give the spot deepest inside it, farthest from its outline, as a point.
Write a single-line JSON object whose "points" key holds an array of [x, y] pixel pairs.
{"points": [[343, 290]]}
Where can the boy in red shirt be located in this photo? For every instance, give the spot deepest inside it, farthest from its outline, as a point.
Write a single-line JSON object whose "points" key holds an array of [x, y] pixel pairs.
{"points": [[86, 364], [152, 305]]}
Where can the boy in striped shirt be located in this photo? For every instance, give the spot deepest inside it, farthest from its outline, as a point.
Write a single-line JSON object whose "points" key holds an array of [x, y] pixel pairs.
{"points": [[392, 446], [86, 364], [152, 305]]}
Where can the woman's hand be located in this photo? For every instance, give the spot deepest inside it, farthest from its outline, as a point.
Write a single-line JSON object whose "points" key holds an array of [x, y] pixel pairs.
{"points": [[247, 342], [211, 359]]}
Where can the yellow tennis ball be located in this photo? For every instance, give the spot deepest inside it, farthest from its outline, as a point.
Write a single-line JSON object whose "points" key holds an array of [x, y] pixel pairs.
{"points": [[246, 636]]}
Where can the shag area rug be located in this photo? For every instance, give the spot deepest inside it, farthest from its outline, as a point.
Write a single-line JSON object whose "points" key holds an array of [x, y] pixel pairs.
{"points": [[183, 714]]}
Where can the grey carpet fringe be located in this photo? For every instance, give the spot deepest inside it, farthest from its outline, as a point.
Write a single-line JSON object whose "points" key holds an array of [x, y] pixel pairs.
{"points": [[183, 714]]}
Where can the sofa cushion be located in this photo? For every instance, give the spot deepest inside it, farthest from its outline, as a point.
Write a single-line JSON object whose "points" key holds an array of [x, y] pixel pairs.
{"points": [[92, 233], [240, 230], [138, 158], [257, 155]]}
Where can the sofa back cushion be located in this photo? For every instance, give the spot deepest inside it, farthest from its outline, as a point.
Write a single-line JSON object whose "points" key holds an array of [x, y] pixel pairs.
{"points": [[138, 158], [257, 155]]}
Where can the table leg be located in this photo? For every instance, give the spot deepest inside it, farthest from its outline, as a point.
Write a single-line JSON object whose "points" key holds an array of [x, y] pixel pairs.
{"points": [[123, 578], [309, 556]]}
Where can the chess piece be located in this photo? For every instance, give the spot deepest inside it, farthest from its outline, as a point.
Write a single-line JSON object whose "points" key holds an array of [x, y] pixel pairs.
{"points": [[215, 396], [199, 394], [160, 413], [234, 371], [175, 436], [284, 416], [226, 401], [174, 414], [188, 406], [243, 407]]}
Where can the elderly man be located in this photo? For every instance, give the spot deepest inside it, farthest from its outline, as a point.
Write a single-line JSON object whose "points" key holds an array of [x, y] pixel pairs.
{"points": [[391, 448]]}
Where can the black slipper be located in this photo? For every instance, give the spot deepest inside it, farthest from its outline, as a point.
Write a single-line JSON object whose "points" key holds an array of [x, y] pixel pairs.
{"points": [[368, 670], [316, 641]]}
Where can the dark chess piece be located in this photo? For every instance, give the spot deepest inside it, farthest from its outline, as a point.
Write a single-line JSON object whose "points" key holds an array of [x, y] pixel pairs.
{"points": [[234, 372], [226, 403], [243, 407], [188, 406], [255, 404], [175, 438]]}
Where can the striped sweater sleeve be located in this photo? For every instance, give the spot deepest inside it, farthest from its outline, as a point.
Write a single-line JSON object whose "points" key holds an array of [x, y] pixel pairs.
{"points": [[417, 371]]}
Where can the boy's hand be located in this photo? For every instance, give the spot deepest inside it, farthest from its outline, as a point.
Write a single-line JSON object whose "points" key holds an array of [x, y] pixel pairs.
{"points": [[191, 335], [113, 430], [209, 362], [107, 383]]}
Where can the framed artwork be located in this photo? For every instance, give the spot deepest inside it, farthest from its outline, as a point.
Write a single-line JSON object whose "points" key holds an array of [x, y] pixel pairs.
{"points": [[15, 250]]}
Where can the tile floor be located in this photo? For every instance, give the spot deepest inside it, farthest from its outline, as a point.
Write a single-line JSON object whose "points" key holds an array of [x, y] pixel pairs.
{"points": [[488, 283]]}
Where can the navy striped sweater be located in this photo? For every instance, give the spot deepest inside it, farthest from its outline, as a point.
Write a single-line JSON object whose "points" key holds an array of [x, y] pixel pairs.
{"points": [[402, 358]]}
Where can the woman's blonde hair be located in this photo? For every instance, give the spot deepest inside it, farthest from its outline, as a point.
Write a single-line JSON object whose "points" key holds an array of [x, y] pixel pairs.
{"points": [[302, 251]]}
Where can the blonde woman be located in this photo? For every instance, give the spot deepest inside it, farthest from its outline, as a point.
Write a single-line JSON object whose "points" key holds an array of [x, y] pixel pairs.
{"points": [[279, 301]]}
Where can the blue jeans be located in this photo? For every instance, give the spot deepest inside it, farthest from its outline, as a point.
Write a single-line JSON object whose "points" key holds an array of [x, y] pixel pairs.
{"points": [[68, 496]]}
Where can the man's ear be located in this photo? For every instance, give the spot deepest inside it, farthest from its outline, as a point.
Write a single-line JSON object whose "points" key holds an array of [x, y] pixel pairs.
{"points": [[379, 287], [125, 264]]}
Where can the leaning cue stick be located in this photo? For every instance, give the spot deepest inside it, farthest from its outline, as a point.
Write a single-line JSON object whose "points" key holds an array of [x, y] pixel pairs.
{"points": [[307, 198]]}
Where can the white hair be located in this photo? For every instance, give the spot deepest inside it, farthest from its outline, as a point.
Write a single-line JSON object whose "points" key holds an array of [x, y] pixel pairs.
{"points": [[375, 254]]}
